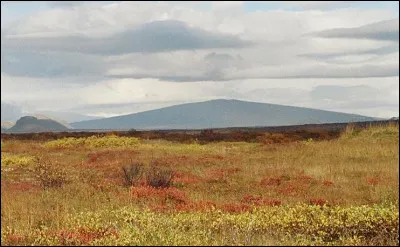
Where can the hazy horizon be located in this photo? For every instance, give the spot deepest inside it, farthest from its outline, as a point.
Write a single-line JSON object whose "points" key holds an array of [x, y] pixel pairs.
{"points": [[111, 58]]}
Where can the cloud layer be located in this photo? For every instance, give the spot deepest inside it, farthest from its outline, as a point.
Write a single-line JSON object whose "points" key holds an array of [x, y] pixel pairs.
{"points": [[383, 30], [112, 58]]}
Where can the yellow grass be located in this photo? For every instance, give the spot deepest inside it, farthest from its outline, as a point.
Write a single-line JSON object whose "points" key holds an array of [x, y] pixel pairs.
{"points": [[356, 175]]}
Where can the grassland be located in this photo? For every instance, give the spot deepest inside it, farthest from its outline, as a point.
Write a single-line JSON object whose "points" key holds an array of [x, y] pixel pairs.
{"points": [[273, 191]]}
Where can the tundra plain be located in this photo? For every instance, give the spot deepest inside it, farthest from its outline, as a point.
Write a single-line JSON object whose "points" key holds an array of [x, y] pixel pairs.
{"points": [[310, 188]]}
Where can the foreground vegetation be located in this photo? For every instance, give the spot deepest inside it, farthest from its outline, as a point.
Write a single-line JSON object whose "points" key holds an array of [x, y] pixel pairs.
{"points": [[114, 190]]}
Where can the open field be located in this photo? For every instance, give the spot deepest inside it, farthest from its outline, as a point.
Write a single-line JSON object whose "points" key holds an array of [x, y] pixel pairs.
{"points": [[310, 187]]}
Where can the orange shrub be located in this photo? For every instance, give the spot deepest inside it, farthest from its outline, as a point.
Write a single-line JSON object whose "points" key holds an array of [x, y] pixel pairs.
{"points": [[373, 181], [14, 239], [328, 183]]}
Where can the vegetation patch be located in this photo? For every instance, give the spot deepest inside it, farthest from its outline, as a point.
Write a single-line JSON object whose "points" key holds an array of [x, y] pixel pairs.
{"points": [[106, 190], [109, 141]]}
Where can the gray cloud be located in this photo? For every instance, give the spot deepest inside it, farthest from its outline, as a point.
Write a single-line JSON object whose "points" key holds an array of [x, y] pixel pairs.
{"points": [[10, 112], [157, 36], [383, 30], [384, 50], [218, 57], [50, 64], [154, 48], [317, 71], [355, 72], [209, 67]]}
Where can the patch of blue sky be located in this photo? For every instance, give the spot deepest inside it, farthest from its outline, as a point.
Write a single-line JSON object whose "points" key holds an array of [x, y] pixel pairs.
{"points": [[23, 7], [18, 8]]}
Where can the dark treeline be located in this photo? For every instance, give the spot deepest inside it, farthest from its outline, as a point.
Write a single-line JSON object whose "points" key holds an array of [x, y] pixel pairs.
{"points": [[278, 134]]}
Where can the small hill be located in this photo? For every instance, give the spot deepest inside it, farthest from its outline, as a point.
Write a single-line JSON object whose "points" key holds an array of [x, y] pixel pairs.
{"points": [[221, 114], [33, 124], [60, 121]]}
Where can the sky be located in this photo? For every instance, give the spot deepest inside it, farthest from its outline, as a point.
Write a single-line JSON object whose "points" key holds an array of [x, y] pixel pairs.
{"points": [[111, 58]]}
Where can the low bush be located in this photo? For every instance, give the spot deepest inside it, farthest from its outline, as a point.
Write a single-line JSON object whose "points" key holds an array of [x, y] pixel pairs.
{"points": [[132, 173], [49, 175], [159, 177], [108, 141], [152, 175]]}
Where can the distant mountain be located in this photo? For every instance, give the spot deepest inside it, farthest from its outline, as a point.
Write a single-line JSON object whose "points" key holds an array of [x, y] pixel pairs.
{"points": [[67, 117], [60, 121], [33, 124], [220, 114]]}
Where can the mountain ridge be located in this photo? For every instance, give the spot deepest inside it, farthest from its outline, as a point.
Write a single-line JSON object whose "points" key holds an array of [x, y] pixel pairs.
{"points": [[34, 124], [220, 113]]}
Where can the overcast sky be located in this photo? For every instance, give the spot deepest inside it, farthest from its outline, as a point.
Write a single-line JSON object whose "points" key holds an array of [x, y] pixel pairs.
{"points": [[111, 58]]}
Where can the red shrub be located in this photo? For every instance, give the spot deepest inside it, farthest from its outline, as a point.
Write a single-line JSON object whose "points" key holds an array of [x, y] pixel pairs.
{"points": [[373, 181], [303, 177], [250, 198], [288, 189], [271, 181], [219, 157], [85, 236], [14, 239], [271, 202], [328, 183]]}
